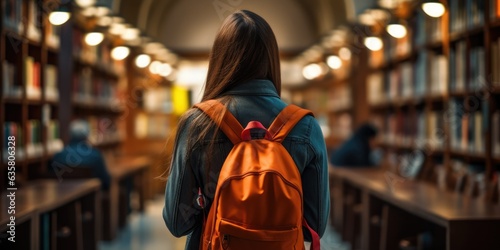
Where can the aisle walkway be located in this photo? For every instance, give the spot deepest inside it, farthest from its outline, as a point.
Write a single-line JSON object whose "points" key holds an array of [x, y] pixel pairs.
{"points": [[148, 232]]}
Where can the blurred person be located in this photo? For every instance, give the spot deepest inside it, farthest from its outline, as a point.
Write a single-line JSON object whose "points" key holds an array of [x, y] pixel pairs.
{"points": [[358, 150], [79, 153]]}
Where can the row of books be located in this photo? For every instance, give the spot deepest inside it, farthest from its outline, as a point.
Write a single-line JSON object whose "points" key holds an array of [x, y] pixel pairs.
{"points": [[396, 48], [16, 18], [54, 143], [13, 15], [10, 82], [495, 134], [466, 14], [34, 145], [468, 128], [31, 72], [495, 62], [13, 129], [99, 55], [458, 64], [477, 69], [94, 91], [494, 9], [426, 29]]}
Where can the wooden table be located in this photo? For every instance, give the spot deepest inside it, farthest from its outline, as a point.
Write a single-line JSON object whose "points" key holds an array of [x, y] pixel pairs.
{"points": [[120, 170], [70, 206], [467, 223]]}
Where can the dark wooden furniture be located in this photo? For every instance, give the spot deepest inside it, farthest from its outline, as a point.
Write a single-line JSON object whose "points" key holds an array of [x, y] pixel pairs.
{"points": [[394, 208], [124, 172], [55, 215]]}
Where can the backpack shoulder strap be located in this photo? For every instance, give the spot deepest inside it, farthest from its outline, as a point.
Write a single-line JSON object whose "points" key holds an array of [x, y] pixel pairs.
{"points": [[223, 118], [286, 120]]}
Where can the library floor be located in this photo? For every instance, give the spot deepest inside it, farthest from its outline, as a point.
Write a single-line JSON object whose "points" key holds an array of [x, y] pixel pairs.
{"points": [[148, 232]]}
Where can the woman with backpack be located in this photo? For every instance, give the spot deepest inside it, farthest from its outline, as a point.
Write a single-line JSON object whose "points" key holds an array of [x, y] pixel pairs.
{"points": [[272, 192]]}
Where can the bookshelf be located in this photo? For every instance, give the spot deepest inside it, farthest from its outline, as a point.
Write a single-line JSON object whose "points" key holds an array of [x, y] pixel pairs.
{"points": [[50, 77], [29, 101], [439, 98]]}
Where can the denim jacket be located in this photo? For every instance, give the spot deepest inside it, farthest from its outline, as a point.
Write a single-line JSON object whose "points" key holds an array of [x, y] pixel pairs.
{"points": [[255, 100]]}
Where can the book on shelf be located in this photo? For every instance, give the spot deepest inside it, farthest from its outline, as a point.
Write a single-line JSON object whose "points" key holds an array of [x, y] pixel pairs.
{"points": [[158, 100], [13, 129], [12, 15], [375, 86], [32, 78], [394, 84], [458, 67], [54, 142], [33, 29], [477, 67], [407, 80], [339, 99], [427, 29], [52, 37], [421, 74], [495, 62], [466, 14], [421, 129], [468, 129], [50, 88], [82, 86], [495, 140], [11, 88], [438, 74], [34, 147]]}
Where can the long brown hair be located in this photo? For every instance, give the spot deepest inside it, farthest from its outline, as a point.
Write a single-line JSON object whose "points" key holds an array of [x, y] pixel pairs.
{"points": [[244, 49]]}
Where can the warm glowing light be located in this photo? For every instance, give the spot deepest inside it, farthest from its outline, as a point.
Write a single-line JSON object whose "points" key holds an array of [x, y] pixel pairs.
{"points": [[311, 71], [85, 3], [130, 34], [117, 28], [374, 43], [155, 67], [396, 30], [345, 53], [94, 38], [101, 11], [434, 9], [105, 21], [142, 61], [165, 69], [334, 62], [120, 52], [59, 17]]}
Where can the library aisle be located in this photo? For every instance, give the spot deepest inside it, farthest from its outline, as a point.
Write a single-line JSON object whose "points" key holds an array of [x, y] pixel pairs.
{"points": [[147, 231]]}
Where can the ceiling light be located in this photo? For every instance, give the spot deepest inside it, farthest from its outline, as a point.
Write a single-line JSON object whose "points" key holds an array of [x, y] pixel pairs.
{"points": [[165, 69], [311, 71], [101, 11], [374, 43], [85, 3], [396, 30], [142, 61], [154, 67], [89, 11], [120, 52], [117, 28], [434, 8], [130, 34], [334, 62], [59, 17], [105, 21], [94, 38]]}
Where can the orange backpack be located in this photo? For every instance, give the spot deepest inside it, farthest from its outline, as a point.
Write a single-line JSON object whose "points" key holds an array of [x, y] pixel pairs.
{"points": [[258, 200]]}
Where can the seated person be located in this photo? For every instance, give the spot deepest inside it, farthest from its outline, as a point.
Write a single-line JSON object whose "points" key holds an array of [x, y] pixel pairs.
{"points": [[80, 154], [357, 151]]}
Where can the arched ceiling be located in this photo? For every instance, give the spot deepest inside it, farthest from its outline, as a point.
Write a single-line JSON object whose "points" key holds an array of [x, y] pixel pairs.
{"points": [[188, 27]]}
